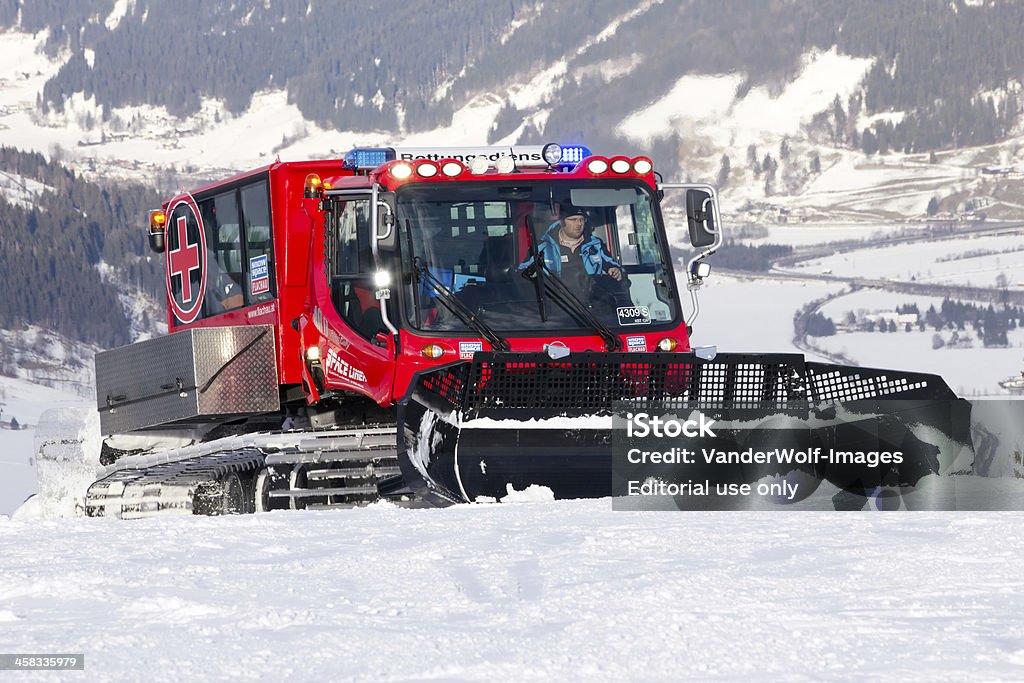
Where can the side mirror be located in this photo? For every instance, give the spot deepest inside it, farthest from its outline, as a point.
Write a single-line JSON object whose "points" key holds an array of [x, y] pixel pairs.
{"points": [[700, 217]]}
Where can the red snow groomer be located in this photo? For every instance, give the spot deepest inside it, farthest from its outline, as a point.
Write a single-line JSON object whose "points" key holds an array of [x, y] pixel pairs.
{"points": [[443, 325]]}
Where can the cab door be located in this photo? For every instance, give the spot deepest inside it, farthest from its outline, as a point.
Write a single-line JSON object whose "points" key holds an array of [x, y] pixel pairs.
{"points": [[363, 358]]}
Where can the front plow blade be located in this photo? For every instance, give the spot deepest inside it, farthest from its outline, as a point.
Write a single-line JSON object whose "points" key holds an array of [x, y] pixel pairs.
{"points": [[503, 422]]}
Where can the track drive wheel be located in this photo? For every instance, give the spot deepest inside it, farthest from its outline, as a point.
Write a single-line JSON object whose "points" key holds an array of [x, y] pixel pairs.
{"points": [[266, 481], [297, 480], [224, 497]]}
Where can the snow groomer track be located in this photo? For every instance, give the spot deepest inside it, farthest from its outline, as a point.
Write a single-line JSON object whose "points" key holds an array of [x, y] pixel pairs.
{"points": [[328, 469]]}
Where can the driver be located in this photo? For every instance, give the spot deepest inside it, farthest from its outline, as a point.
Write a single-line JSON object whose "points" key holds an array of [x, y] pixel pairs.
{"points": [[572, 253]]}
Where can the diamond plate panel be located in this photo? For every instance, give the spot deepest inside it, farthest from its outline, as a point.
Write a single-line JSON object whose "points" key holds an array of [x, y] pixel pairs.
{"points": [[191, 375]]}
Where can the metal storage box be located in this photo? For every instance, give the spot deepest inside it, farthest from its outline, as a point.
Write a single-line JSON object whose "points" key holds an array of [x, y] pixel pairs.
{"points": [[189, 377]]}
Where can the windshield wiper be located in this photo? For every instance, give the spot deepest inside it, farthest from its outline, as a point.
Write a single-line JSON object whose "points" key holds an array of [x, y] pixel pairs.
{"points": [[564, 296], [538, 282], [458, 309]]}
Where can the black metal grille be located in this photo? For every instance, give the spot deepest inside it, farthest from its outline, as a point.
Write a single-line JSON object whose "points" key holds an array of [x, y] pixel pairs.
{"points": [[835, 383], [524, 385], [590, 383], [447, 383]]}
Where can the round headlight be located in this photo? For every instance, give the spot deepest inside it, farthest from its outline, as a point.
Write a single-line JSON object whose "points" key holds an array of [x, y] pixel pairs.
{"points": [[552, 153], [642, 166], [426, 169], [451, 168], [401, 171], [597, 166], [620, 166]]}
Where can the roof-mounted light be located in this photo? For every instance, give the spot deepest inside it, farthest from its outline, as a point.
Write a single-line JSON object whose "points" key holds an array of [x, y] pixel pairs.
{"points": [[574, 154], [452, 168], [642, 166], [597, 165], [426, 169], [401, 171], [505, 164], [313, 187], [364, 158], [620, 165], [479, 165], [157, 227], [552, 153]]}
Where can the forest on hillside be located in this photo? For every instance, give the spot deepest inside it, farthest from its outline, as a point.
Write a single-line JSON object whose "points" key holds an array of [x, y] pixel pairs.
{"points": [[381, 65], [50, 251]]}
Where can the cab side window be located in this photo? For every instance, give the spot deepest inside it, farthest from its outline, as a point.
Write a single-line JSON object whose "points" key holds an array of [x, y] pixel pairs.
{"points": [[259, 253], [239, 259], [352, 287], [354, 256], [224, 256]]}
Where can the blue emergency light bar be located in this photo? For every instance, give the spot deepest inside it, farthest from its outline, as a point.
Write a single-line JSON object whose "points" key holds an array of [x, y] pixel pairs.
{"points": [[367, 157], [574, 154], [527, 156]]}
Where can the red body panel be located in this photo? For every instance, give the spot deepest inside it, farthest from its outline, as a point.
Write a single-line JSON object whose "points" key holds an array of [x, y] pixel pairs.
{"points": [[291, 228], [348, 361]]}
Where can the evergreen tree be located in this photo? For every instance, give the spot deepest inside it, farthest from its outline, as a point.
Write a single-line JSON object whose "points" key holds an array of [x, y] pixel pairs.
{"points": [[723, 172]]}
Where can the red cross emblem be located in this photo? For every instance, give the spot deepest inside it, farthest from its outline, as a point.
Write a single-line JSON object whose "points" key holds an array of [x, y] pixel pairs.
{"points": [[185, 292], [184, 259]]}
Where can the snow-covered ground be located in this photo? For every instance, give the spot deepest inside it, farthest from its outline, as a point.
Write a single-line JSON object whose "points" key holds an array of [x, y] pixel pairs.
{"points": [[25, 402], [973, 371], [555, 591], [976, 260], [752, 316], [809, 234]]}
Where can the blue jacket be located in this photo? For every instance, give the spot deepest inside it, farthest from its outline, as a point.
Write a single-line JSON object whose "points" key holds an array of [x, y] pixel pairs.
{"points": [[596, 258]]}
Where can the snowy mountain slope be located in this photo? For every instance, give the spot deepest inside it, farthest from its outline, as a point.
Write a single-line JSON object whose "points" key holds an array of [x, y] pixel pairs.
{"points": [[145, 141], [555, 591]]}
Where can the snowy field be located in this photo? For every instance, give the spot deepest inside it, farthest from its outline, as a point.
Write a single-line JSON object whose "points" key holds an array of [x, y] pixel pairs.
{"points": [[752, 316], [977, 261], [811, 234], [974, 371], [25, 402], [568, 590]]}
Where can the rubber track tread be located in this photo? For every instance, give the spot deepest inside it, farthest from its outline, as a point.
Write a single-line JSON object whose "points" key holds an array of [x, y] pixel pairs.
{"points": [[170, 487]]}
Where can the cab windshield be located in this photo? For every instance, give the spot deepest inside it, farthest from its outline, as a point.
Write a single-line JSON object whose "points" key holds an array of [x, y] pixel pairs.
{"points": [[480, 245]]}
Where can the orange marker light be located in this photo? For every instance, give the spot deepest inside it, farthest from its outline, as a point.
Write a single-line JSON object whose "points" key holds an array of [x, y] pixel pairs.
{"points": [[157, 220], [313, 186], [432, 351]]}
